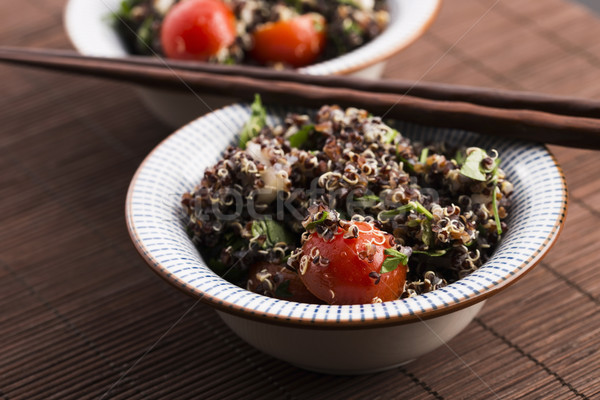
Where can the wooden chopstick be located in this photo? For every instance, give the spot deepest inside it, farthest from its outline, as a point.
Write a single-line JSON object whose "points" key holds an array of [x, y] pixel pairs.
{"points": [[497, 98], [283, 87]]}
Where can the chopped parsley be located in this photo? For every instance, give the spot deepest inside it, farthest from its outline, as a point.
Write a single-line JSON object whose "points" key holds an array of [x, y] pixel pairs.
{"points": [[410, 206], [394, 259], [301, 136], [313, 224]]}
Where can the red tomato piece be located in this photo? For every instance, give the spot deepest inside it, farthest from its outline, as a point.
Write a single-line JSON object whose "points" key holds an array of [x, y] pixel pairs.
{"points": [[197, 29], [296, 42], [350, 272], [277, 281]]}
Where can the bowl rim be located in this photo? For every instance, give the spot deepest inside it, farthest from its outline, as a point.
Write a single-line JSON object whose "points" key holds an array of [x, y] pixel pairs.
{"points": [[416, 316], [333, 66], [383, 55]]}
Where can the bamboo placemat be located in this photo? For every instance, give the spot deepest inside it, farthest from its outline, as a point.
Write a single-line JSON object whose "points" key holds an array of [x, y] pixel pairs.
{"points": [[83, 317]]}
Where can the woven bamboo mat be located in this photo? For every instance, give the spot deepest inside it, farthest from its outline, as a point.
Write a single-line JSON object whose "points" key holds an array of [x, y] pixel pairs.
{"points": [[81, 316]]}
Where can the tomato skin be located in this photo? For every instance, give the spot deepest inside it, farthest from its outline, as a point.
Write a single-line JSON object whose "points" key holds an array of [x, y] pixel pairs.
{"points": [[346, 279], [296, 42], [197, 29]]}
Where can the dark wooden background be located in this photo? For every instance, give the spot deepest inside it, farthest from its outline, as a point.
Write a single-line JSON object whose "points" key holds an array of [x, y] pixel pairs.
{"points": [[81, 316]]}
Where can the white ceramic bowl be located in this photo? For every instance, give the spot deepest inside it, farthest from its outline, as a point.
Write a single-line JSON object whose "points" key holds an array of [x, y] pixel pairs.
{"points": [[91, 34], [337, 339]]}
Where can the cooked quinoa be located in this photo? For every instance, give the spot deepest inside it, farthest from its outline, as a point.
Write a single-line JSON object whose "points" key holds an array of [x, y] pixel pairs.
{"points": [[350, 24], [436, 199]]}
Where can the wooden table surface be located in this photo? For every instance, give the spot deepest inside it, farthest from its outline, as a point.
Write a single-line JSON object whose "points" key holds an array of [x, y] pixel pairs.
{"points": [[81, 316]]}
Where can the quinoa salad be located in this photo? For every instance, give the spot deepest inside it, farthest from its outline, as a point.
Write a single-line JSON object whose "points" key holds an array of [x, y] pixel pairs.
{"points": [[338, 207], [339, 25]]}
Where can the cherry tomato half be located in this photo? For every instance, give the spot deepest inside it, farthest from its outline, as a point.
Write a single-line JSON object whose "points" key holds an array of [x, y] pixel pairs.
{"points": [[277, 281], [296, 42], [197, 29], [350, 272]]}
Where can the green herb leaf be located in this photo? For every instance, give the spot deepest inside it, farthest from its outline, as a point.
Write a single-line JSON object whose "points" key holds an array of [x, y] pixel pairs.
{"points": [[273, 231], [144, 33], [367, 201], [405, 163], [459, 157], [352, 27], [420, 208], [352, 3], [283, 290], [472, 168], [472, 165], [313, 224], [370, 197], [411, 223], [258, 228], [257, 121], [301, 136], [125, 9], [427, 233], [432, 253], [389, 138], [297, 4], [229, 60], [424, 155], [234, 241], [394, 259], [411, 206], [392, 213], [495, 173], [495, 207], [277, 232], [342, 214], [318, 23]]}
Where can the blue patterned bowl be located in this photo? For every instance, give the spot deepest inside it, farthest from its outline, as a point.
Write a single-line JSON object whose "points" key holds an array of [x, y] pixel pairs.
{"points": [[90, 32], [338, 339]]}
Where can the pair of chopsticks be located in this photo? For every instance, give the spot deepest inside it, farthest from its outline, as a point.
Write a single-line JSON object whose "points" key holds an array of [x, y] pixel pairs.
{"points": [[534, 117]]}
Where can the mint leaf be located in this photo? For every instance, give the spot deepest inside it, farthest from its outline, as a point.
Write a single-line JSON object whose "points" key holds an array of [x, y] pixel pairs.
{"points": [[276, 232], [257, 121], [273, 231], [301, 136], [472, 165]]}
